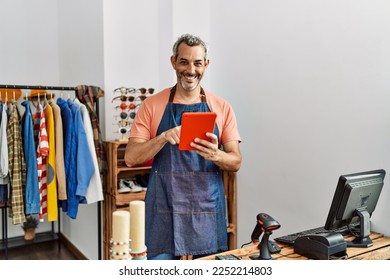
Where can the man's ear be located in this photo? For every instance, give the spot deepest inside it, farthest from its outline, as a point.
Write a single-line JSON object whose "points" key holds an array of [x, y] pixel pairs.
{"points": [[206, 62], [173, 62]]}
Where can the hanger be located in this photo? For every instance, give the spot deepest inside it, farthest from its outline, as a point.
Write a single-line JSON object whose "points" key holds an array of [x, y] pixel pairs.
{"points": [[44, 99], [36, 93], [35, 96], [51, 95], [4, 94]]}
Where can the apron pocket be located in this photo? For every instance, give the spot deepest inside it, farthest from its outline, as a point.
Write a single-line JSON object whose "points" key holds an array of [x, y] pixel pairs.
{"points": [[187, 192]]}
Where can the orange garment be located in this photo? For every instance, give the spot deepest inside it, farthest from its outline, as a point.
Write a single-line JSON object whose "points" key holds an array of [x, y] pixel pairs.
{"points": [[52, 210]]}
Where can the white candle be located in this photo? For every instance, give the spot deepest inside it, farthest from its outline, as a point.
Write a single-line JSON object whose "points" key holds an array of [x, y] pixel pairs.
{"points": [[137, 225], [120, 234]]}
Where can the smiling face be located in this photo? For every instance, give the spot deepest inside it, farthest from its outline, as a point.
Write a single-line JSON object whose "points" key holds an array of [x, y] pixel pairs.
{"points": [[190, 66]]}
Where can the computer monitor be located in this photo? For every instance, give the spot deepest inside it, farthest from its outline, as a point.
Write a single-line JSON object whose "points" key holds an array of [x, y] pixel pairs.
{"points": [[353, 203]]}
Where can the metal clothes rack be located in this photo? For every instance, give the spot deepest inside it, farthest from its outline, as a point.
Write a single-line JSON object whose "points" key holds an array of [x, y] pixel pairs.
{"points": [[4, 209], [38, 87]]}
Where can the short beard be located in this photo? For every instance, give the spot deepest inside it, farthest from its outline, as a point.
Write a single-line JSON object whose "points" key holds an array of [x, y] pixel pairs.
{"points": [[185, 85]]}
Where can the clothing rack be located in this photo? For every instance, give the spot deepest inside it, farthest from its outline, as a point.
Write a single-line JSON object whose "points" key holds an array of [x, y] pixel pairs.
{"points": [[4, 209], [37, 87]]}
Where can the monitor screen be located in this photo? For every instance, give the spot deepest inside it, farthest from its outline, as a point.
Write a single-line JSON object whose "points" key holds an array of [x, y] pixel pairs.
{"points": [[353, 203]]}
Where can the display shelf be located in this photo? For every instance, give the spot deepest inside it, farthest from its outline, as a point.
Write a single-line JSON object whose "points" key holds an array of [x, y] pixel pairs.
{"points": [[113, 200], [19, 241]]}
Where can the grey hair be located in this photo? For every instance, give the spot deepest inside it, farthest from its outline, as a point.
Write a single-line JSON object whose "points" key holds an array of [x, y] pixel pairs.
{"points": [[189, 40]]}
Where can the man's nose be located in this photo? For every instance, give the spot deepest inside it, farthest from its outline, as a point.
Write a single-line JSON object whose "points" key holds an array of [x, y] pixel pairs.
{"points": [[191, 68]]}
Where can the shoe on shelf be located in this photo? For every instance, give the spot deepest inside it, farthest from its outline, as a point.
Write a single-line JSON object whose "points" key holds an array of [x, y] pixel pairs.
{"points": [[127, 185], [142, 180], [138, 186], [123, 187]]}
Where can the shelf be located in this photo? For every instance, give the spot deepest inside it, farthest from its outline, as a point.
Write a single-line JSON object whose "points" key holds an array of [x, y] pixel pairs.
{"points": [[19, 241], [231, 228], [113, 200], [124, 199], [123, 168]]}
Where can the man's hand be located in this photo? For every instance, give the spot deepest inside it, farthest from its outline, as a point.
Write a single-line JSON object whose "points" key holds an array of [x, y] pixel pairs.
{"points": [[207, 149], [172, 135]]}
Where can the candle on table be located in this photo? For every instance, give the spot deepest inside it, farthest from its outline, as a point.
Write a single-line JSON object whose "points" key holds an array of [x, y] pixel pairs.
{"points": [[137, 225], [120, 235]]}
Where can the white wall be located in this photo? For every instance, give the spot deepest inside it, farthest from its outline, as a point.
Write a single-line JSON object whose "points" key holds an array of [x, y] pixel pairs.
{"points": [[309, 82], [29, 44], [131, 52], [138, 39], [28, 53], [80, 32]]}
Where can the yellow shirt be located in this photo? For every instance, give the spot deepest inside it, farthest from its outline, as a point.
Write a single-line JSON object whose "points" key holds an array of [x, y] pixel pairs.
{"points": [[52, 204]]}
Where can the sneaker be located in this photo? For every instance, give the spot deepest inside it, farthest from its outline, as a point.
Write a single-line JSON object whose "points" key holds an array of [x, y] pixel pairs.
{"points": [[134, 187], [123, 187], [127, 185], [139, 186], [142, 180]]}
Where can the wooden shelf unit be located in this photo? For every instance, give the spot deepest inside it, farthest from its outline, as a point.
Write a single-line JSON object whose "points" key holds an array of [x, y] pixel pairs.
{"points": [[113, 200], [230, 183], [115, 151]]}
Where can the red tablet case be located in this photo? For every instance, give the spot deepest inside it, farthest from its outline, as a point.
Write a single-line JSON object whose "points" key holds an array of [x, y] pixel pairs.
{"points": [[195, 125]]}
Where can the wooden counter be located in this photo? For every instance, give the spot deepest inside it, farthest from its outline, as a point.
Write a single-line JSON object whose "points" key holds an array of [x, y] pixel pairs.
{"points": [[380, 250]]}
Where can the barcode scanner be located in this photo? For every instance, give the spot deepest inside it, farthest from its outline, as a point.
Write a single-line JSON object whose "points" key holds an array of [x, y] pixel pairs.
{"points": [[265, 224]]}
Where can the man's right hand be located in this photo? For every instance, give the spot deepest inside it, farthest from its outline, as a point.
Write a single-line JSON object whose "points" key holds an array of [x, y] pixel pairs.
{"points": [[172, 135]]}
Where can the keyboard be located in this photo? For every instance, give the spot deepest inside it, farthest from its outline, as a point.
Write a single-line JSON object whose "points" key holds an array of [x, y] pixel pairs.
{"points": [[290, 238]]}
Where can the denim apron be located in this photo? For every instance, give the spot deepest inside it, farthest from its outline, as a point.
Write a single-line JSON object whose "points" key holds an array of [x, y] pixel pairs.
{"points": [[185, 200]]}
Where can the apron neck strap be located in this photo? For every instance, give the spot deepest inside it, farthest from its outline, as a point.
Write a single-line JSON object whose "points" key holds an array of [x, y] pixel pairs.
{"points": [[173, 91]]}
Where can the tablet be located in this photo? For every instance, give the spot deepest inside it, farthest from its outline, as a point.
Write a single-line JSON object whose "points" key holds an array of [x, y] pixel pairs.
{"points": [[195, 125]]}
